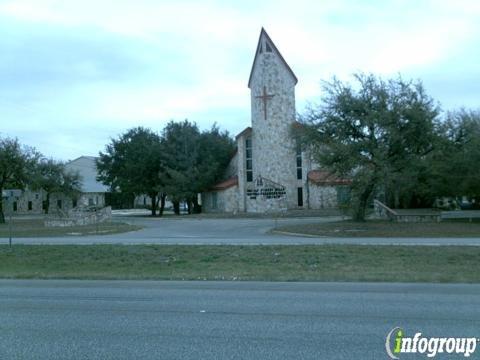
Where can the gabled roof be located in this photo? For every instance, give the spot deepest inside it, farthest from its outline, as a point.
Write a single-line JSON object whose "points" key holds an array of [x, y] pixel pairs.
{"points": [[233, 181], [263, 33], [325, 178], [245, 131]]}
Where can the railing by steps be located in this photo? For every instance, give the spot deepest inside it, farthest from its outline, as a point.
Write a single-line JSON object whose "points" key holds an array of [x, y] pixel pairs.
{"points": [[384, 212]]}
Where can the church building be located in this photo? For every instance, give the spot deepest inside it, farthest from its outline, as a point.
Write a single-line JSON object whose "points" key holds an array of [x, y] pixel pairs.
{"points": [[269, 172]]}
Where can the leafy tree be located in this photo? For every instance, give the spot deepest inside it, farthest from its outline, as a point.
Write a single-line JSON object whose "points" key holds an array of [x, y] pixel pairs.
{"points": [[134, 163], [16, 165], [53, 177], [195, 161], [215, 152], [453, 165], [374, 132], [181, 146]]}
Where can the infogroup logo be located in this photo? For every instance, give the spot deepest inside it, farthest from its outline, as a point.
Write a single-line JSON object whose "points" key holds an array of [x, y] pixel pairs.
{"points": [[397, 343]]}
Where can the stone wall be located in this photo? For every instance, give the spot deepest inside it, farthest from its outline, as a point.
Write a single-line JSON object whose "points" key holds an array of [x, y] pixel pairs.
{"points": [[221, 200], [241, 168], [81, 218], [66, 203], [322, 197], [30, 202], [33, 202], [266, 205], [273, 146]]}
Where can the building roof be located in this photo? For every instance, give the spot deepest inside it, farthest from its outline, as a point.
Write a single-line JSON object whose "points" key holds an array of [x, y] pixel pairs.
{"points": [[233, 181], [323, 177], [263, 33], [86, 167], [245, 131]]}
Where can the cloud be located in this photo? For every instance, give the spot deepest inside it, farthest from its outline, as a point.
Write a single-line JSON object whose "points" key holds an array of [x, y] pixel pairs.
{"points": [[74, 72]]}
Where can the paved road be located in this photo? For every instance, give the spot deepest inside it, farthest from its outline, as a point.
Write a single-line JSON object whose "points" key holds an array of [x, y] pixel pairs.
{"points": [[195, 231], [224, 320]]}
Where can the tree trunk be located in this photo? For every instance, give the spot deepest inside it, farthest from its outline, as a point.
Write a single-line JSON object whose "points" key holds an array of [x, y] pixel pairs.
{"points": [[397, 199], [197, 209], [162, 203], [189, 207], [153, 197], [176, 207], [47, 203], [2, 215], [360, 210]]}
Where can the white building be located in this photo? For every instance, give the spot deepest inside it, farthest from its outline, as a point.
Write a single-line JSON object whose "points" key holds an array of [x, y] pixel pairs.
{"points": [[32, 202], [92, 191]]}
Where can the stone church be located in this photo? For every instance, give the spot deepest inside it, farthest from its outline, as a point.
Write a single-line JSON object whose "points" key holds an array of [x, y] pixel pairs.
{"points": [[269, 172]]}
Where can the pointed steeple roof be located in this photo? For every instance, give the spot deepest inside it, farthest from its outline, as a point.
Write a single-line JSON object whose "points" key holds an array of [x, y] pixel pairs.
{"points": [[269, 44]]}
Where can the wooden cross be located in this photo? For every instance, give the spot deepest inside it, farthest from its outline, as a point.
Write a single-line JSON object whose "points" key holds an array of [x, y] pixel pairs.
{"points": [[265, 97]]}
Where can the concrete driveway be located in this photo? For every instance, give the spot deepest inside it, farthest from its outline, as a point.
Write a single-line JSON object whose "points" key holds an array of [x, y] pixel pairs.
{"points": [[233, 231]]}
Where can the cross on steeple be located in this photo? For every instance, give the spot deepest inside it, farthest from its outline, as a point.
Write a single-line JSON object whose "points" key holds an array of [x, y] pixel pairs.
{"points": [[265, 97]]}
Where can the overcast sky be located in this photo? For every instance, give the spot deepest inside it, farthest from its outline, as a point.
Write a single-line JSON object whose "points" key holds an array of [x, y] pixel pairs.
{"points": [[73, 74]]}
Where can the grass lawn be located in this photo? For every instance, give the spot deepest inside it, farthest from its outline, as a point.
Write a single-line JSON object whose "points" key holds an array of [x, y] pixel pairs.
{"points": [[269, 263], [379, 228], [36, 228]]}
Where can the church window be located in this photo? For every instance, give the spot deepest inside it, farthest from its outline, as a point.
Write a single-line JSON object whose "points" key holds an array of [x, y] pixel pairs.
{"points": [[300, 196], [74, 203], [59, 204], [30, 206], [249, 160], [15, 206], [267, 47], [299, 163]]}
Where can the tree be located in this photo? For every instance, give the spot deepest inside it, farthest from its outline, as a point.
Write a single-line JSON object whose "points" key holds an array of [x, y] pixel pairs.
{"points": [[215, 152], [16, 164], [195, 161], [181, 146], [134, 163], [374, 133], [453, 165], [53, 177]]}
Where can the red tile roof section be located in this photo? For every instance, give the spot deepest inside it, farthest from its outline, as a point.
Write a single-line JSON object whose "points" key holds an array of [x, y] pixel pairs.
{"points": [[322, 177], [233, 181]]}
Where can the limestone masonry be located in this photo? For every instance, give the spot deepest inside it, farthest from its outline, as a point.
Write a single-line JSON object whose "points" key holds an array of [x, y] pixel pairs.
{"points": [[269, 173]]}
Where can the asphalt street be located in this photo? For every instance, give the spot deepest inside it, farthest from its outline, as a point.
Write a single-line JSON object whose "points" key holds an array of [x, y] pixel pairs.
{"points": [[237, 231], [225, 320]]}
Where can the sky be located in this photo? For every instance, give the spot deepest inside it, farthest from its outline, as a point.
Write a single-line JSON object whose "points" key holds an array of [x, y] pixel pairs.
{"points": [[74, 74]]}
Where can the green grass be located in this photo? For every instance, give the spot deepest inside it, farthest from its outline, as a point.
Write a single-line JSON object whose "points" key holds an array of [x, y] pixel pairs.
{"points": [[264, 263], [379, 228], [36, 228]]}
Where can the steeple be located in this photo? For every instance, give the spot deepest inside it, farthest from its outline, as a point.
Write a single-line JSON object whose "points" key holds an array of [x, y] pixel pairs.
{"points": [[266, 45]]}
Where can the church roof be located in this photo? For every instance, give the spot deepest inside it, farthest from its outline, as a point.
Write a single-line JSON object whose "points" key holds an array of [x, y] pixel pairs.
{"points": [[245, 131], [263, 33], [233, 181], [325, 178]]}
